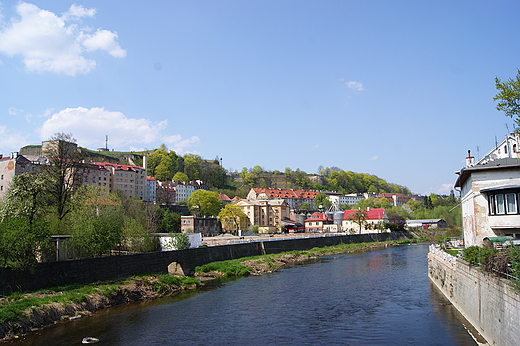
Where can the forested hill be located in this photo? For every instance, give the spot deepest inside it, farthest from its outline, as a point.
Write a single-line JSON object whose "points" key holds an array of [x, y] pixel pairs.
{"points": [[164, 164]]}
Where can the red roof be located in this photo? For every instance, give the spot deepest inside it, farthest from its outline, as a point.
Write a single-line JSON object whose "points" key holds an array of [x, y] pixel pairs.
{"points": [[118, 166], [372, 214], [318, 217], [278, 193], [224, 197]]}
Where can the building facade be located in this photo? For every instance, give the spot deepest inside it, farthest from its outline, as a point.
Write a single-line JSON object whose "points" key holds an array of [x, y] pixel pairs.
{"points": [[266, 214], [129, 179], [10, 166], [373, 221], [318, 223], [490, 194], [207, 226]]}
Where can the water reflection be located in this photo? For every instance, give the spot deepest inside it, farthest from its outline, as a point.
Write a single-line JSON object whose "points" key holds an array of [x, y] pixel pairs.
{"points": [[375, 298]]}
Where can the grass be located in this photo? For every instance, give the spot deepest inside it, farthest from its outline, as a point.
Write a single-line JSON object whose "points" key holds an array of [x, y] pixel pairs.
{"points": [[227, 268], [236, 267], [13, 307]]}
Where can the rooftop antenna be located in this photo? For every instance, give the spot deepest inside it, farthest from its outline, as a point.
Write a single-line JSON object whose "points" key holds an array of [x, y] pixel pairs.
{"points": [[507, 127], [478, 153]]}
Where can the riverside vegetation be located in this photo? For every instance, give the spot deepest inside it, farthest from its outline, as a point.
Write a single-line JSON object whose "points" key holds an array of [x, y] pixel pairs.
{"points": [[21, 313]]}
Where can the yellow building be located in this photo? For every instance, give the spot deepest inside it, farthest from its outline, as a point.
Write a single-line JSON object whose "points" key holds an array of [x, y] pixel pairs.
{"points": [[266, 214]]}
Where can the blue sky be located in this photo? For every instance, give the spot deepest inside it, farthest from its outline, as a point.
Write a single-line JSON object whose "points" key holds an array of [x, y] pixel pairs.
{"points": [[398, 89]]}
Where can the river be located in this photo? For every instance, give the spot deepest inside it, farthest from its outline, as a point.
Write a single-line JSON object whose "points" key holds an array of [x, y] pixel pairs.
{"points": [[380, 297]]}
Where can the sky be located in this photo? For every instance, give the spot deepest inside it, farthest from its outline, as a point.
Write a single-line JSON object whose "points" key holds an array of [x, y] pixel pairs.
{"points": [[398, 89]]}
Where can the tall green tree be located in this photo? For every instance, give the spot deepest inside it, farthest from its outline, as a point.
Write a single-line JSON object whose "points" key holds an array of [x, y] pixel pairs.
{"points": [[359, 217], [63, 171], [27, 197], [204, 203], [97, 222], [508, 97], [232, 218], [322, 201]]}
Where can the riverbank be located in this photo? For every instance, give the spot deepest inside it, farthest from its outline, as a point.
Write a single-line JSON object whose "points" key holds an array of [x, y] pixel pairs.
{"points": [[21, 313]]}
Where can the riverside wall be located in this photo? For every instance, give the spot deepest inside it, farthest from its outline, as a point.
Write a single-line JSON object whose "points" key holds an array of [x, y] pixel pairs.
{"points": [[57, 273], [488, 302]]}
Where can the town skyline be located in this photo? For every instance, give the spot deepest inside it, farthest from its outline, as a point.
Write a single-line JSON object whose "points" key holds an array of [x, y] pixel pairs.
{"points": [[400, 90]]}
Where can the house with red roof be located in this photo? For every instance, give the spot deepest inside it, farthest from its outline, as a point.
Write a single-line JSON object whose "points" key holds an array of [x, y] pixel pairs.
{"points": [[267, 214], [317, 223], [372, 220]]}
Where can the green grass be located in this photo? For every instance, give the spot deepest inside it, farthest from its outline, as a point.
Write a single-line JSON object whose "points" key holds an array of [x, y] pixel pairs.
{"points": [[12, 308], [227, 268], [453, 252]]}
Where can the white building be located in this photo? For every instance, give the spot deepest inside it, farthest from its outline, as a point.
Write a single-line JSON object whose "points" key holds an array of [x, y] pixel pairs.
{"points": [[490, 194]]}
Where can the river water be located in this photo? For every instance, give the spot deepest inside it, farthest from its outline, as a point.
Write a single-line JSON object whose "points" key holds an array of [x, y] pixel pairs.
{"points": [[380, 297]]}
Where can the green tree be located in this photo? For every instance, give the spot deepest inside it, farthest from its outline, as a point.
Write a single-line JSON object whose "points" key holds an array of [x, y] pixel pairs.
{"points": [[97, 222], [359, 217], [192, 166], [164, 168], [22, 242], [305, 206], [204, 203], [170, 221], [178, 241], [508, 97], [181, 176], [322, 200], [232, 218], [27, 197], [64, 161]]}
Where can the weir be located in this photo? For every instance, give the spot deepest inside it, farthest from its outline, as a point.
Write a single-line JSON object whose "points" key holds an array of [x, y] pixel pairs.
{"points": [[181, 262]]}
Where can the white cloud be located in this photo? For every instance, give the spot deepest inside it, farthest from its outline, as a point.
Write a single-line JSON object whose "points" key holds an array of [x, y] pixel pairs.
{"points": [[78, 11], [373, 158], [179, 145], [354, 85], [104, 40], [445, 189], [90, 126], [14, 112], [11, 140], [48, 42]]}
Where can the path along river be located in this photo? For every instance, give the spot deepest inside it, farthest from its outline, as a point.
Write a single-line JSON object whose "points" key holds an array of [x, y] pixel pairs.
{"points": [[380, 297]]}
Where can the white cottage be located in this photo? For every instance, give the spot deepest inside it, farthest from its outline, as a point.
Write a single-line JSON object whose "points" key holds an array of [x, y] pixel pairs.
{"points": [[490, 194]]}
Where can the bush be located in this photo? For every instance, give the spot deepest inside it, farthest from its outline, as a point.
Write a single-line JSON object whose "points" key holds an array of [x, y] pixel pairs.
{"points": [[475, 255]]}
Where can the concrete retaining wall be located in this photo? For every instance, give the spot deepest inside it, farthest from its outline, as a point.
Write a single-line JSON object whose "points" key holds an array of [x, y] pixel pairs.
{"points": [[90, 270], [486, 301]]}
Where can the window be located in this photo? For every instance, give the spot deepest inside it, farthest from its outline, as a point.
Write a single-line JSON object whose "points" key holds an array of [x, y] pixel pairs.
{"points": [[504, 202], [511, 203]]}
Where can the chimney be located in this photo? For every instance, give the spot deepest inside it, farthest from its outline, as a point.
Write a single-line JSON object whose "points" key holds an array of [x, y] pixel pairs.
{"points": [[470, 160]]}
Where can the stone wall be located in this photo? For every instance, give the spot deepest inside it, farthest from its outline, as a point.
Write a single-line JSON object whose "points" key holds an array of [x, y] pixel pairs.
{"points": [[488, 302], [50, 274]]}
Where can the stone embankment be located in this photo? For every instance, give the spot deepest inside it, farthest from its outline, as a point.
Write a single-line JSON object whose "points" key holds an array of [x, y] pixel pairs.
{"points": [[489, 303]]}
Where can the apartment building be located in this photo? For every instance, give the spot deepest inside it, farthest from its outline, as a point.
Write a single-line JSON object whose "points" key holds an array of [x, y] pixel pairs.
{"points": [[129, 179], [266, 214], [10, 166]]}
